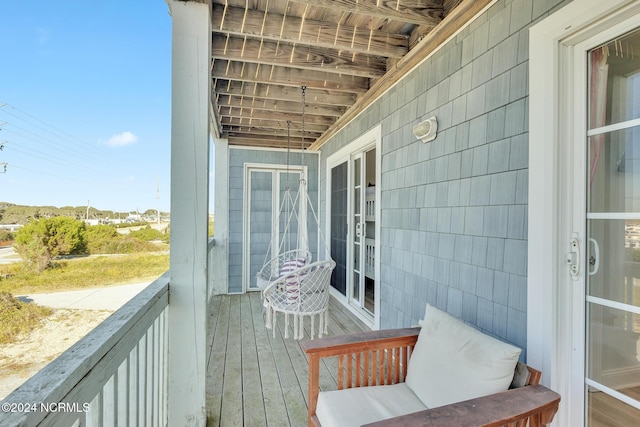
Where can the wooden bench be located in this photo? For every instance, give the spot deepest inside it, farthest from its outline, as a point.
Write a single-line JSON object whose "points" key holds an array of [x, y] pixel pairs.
{"points": [[381, 358]]}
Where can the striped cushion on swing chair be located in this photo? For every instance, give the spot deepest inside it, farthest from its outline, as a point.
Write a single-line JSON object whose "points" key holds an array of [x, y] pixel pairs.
{"points": [[291, 265], [292, 285]]}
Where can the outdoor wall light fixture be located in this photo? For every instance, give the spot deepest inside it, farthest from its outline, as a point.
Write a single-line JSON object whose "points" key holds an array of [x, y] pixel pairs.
{"points": [[426, 130]]}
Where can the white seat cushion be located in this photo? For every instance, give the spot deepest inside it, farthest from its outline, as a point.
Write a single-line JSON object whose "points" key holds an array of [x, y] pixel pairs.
{"points": [[453, 362], [362, 405]]}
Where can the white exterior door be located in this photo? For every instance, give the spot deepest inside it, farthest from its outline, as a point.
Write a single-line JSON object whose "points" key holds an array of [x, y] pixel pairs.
{"points": [[352, 210], [361, 277], [584, 208], [611, 279], [275, 216]]}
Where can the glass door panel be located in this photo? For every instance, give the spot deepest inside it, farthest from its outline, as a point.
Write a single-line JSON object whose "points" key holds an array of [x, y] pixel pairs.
{"points": [[612, 377], [358, 224], [288, 223], [339, 228], [260, 225]]}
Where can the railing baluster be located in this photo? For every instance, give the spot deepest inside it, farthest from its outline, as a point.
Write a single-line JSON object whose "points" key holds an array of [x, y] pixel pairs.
{"points": [[122, 394], [133, 385], [156, 372], [108, 402], [340, 372], [365, 378], [358, 371], [142, 380], [396, 362], [389, 367], [349, 370], [149, 375], [405, 350]]}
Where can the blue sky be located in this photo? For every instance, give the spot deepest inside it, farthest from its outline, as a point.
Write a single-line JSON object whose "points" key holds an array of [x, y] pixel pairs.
{"points": [[85, 103]]}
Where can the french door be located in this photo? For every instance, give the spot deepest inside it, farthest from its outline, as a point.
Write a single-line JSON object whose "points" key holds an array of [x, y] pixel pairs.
{"points": [[362, 232], [352, 225], [272, 223], [611, 183]]}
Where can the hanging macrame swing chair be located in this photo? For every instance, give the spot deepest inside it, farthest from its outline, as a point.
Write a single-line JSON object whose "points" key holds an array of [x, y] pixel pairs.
{"points": [[291, 284]]}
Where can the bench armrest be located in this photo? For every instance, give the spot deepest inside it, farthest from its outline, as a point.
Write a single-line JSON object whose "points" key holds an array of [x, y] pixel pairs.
{"points": [[536, 404]]}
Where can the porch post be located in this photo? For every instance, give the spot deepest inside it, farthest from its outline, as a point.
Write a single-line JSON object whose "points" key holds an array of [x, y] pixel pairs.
{"points": [[190, 81]]}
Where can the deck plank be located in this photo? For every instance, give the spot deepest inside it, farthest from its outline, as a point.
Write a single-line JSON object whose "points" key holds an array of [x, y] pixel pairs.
{"points": [[232, 411], [274, 403], [254, 378], [215, 363]]}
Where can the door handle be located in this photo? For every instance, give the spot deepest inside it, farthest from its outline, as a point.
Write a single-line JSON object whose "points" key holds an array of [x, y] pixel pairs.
{"points": [[359, 229], [594, 259]]}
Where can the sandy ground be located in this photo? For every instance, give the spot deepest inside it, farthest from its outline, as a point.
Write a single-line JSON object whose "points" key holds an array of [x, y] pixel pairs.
{"points": [[24, 358]]}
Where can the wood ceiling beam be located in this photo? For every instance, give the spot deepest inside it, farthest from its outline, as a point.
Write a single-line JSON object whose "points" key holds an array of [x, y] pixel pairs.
{"points": [[256, 73], [420, 12], [458, 17], [284, 93], [270, 124], [302, 57], [280, 106], [296, 134], [275, 115], [262, 141], [234, 20], [293, 143]]}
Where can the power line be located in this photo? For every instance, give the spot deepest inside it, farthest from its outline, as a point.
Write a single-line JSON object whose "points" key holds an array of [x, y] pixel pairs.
{"points": [[61, 141]]}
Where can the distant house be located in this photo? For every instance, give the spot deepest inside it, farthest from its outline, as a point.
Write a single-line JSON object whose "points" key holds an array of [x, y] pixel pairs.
{"points": [[10, 227], [133, 218]]}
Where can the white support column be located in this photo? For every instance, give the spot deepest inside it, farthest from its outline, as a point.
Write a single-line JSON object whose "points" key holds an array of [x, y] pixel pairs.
{"points": [[191, 77], [220, 273]]}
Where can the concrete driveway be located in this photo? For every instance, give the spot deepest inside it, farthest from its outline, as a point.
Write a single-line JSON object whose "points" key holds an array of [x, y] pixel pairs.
{"points": [[110, 298]]}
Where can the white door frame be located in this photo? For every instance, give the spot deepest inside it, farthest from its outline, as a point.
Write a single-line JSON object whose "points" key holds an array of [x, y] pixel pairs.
{"points": [[553, 298], [371, 138]]}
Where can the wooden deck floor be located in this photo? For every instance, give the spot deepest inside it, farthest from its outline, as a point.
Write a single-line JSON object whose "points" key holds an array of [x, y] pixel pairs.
{"points": [[254, 379]]}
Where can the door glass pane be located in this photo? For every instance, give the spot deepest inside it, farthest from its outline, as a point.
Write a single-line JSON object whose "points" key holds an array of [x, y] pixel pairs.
{"points": [[613, 349], [356, 286], [614, 260], [614, 171], [339, 226], [614, 82], [288, 219], [260, 225], [607, 411]]}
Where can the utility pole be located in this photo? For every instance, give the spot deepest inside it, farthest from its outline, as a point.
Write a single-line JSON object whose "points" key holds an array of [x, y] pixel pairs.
{"points": [[88, 201], [3, 165], [158, 197]]}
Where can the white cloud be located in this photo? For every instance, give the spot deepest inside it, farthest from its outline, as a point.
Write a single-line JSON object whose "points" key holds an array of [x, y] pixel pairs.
{"points": [[122, 139]]}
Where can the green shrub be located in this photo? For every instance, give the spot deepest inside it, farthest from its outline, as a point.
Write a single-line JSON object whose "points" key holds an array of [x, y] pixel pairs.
{"points": [[40, 242], [149, 234], [101, 239], [6, 236], [17, 317]]}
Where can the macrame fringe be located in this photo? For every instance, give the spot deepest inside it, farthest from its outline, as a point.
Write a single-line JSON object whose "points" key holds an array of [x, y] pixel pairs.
{"points": [[298, 323]]}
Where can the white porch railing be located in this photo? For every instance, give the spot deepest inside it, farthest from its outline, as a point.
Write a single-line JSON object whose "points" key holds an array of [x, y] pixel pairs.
{"points": [[115, 375]]}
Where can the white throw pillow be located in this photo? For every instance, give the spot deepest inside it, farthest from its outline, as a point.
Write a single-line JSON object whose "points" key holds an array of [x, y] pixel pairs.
{"points": [[453, 362]]}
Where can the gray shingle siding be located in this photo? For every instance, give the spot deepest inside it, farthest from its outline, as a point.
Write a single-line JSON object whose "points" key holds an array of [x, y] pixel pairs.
{"points": [[463, 196]]}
